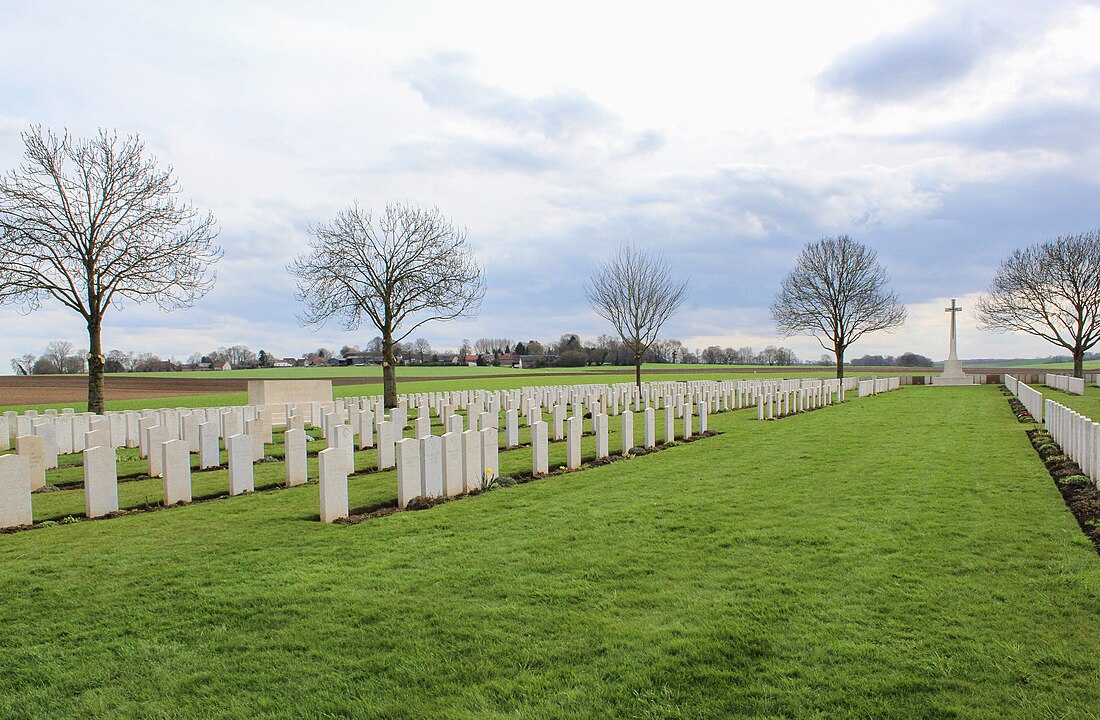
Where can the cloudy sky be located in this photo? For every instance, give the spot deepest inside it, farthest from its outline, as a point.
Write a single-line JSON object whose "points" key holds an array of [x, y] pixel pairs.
{"points": [[725, 135]]}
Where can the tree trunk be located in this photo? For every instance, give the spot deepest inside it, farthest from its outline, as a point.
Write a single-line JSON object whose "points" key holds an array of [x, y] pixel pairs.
{"points": [[839, 363], [389, 371], [1078, 363], [95, 366], [638, 371]]}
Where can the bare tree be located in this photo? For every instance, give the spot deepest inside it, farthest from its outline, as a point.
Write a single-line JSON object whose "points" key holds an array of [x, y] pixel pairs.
{"points": [[409, 267], [422, 347], [23, 365], [58, 352], [89, 223], [636, 293], [240, 356], [836, 293], [1050, 290]]}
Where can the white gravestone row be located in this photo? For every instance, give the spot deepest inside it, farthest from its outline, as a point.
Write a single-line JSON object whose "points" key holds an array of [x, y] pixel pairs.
{"points": [[1065, 383], [1078, 436]]}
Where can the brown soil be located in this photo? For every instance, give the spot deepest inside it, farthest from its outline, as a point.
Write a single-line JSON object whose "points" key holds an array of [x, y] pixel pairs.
{"points": [[1080, 494]]}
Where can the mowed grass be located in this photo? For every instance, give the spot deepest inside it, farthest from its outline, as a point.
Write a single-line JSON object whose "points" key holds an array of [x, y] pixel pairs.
{"points": [[899, 556]]}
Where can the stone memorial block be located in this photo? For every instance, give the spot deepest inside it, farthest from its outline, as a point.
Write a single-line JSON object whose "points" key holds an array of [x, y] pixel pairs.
{"points": [[627, 420], [472, 467], [209, 449], [650, 427], [100, 480], [431, 466], [45, 430], [366, 428], [408, 470], [489, 452], [240, 464], [670, 423], [452, 464], [295, 457], [30, 447], [540, 448], [334, 484], [386, 441], [703, 418], [15, 490], [176, 461], [23, 426], [399, 416], [5, 434], [689, 420]]}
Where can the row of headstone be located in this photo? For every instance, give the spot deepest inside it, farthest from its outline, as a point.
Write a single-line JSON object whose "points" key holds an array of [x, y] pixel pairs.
{"points": [[792, 400], [67, 433], [1031, 398], [1065, 383], [876, 386], [1078, 436]]}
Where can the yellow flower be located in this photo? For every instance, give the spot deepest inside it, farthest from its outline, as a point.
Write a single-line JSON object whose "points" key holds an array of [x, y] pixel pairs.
{"points": [[488, 471]]}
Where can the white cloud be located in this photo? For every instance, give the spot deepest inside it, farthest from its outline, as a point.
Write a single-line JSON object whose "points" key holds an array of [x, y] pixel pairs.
{"points": [[725, 135]]}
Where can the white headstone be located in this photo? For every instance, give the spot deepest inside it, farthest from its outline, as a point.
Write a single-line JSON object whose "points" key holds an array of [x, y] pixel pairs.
{"points": [[209, 449], [408, 470], [154, 436], [386, 441], [176, 463], [627, 419], [489, 452], [240, 464], [334, 484], [30, 447], [366, 429], [452, 463], [15, 491], [650, 430], [573, 442], [599, 425], [472, 467], [511, 429], [294, 454], [431, 466], [540, 449], [45, 430]]}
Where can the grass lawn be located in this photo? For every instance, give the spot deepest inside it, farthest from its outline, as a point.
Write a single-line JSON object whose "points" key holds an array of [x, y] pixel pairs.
{"points": [[899, 556]]}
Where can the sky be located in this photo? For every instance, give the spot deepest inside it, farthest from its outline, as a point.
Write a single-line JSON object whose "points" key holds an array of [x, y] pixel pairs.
{"points": [[721, 135]]}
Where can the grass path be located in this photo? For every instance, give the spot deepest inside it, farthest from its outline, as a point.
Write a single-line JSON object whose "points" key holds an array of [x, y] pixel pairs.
{"points": [[899, 556]]}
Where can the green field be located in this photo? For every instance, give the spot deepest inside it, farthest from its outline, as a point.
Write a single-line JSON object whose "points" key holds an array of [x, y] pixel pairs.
{"points": [[867, 560]]}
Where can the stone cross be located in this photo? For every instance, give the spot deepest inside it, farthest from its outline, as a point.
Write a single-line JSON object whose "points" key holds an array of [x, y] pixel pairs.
{"points": [[952, 369]]}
